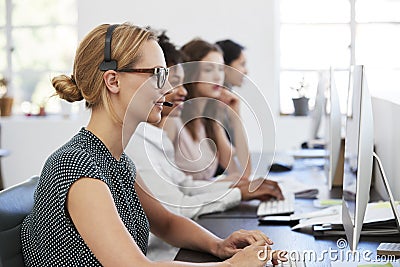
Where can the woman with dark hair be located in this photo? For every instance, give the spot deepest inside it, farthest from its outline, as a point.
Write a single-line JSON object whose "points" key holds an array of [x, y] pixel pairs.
{"points": [[202, 144], [235, 58], [235, 70], [196, 154]]}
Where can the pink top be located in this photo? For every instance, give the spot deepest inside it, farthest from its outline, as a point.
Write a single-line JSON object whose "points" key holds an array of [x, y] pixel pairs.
{"points": [[195, 157]]}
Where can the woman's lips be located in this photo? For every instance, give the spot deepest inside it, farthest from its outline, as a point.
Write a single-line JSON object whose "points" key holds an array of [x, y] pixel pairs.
{"points": [[216, 87], [178, 103], [159, 104]]}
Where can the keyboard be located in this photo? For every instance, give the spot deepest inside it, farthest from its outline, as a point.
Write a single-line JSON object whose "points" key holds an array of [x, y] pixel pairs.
{"points": [[389, 249], [289, 263], [277, 207]]}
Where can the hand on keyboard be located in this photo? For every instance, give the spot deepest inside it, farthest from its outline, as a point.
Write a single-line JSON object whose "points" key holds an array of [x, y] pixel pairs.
{"points": [[260, 189], [289, 263], [257, 254], [277, 207]]}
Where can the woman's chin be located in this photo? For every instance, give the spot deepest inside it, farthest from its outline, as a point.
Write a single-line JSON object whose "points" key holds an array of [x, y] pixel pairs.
{"points": [[176, 112], [154, 118], [213, 94], [216, 94]]}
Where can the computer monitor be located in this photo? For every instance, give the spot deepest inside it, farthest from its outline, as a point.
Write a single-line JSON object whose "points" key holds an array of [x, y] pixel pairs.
{"points": [[319, 106], [357, 158], [333, 130]]}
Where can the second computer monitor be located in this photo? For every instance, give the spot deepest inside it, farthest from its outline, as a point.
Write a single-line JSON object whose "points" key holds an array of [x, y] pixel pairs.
{"points": [[357, 158], [333, 128], [319, 107]]}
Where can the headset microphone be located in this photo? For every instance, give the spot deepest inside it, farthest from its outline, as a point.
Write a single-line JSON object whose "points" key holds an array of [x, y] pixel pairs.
{"points": [[167, 104]]}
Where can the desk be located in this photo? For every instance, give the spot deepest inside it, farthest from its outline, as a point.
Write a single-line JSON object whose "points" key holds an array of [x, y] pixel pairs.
{"points": [[308, 174], [284, 238], [223, 224]]}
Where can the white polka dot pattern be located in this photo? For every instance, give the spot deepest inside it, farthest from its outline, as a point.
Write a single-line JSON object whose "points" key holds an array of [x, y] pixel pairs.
{"points": [[48, 235]]}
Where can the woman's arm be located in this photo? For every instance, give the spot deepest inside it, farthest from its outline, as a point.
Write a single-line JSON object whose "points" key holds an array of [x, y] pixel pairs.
{"points": [[192, 194], [226, 150], [170, 126], [185, 233], [241, 147], [231, 156], [93, 212], [174, 229]]}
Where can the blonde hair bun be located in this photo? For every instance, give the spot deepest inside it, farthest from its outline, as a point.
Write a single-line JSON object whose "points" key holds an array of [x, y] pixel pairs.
{"points": [[66, 88]]}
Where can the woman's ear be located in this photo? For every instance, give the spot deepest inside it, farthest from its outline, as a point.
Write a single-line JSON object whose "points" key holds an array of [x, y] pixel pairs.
{"points": [[111, 79]]}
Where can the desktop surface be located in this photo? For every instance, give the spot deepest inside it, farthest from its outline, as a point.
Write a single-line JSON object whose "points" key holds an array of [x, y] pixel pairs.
{"points": [[295, 241], [302, 173]]}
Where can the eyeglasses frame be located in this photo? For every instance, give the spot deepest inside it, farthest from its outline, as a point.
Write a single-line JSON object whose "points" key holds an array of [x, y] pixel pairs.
{"points": [[155, 71]]}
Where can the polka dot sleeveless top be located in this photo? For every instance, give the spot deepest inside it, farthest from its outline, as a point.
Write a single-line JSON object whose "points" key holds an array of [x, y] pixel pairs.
{"points": [[48, 235]]}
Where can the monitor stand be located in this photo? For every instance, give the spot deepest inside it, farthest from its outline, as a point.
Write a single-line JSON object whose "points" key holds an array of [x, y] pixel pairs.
{"points": [[388, 248], [375, 229], [388, 190]]}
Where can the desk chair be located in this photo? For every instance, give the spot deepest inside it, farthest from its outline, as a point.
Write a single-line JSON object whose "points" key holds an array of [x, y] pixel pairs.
{"points": [[3, 153], [15, 203]]}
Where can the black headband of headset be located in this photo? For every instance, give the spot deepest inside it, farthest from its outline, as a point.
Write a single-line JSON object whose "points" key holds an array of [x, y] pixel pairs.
{"points": [[108, 63]]}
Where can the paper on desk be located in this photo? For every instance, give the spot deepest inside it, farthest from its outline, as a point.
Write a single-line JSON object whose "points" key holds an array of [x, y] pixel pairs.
{"points": [[375, 212], [329, 219], [291, 184], [333, 210]]}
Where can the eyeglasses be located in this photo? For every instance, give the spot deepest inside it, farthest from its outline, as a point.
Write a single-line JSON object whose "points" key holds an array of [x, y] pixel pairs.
{"points": [[160, 72]]}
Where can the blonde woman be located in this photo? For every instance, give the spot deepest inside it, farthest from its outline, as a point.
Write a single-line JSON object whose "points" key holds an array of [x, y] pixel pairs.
{"points": [[90, 207]]}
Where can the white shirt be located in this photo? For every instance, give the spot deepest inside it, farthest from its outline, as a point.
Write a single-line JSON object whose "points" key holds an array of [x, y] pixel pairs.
{"points": [[153, 154]]}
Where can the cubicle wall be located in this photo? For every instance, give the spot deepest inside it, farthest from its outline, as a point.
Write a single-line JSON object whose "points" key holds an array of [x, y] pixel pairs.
{"points": [[387, 142], [30, 141]]}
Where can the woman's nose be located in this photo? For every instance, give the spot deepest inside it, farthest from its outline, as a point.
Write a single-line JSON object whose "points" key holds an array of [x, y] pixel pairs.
{"points": [[181, 90], [167, 89], [219, 76]]}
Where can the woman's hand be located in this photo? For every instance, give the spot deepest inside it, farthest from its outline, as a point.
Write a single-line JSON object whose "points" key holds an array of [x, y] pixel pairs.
{"points": [[239, 240], [261, 189], [230, 99], [256, 255], [235, 178]]}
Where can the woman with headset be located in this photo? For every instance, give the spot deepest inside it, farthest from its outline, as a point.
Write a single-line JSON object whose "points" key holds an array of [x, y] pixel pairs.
{"points": [[91, 209]]}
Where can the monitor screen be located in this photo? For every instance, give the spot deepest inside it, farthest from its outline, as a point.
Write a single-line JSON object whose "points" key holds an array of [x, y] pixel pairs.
{"points": [[357, 158], [333, 130], [319, 107], [350, 92]]}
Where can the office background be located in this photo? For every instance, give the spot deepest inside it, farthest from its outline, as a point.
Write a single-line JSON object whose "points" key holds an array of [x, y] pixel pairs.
{"points": [[256, 25]]}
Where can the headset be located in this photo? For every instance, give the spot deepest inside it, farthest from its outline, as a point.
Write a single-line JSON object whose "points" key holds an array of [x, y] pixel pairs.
{"points": [[111, 64], [108, 63]]}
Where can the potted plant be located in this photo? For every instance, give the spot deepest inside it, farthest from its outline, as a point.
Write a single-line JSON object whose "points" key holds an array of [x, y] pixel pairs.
{"points": [[300, 98], [5, 101]]}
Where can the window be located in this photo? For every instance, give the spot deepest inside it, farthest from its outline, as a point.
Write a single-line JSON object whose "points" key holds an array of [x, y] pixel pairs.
{"points": [[317, 34], [39, 37]]}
